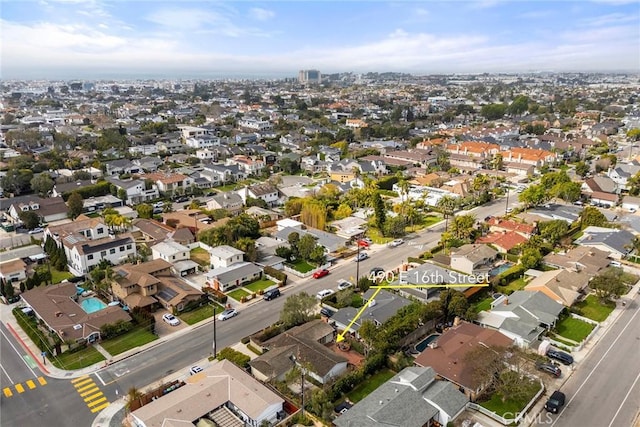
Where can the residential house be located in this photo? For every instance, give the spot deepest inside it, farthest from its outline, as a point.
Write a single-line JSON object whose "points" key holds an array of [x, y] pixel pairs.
{"points": [[618, 243], [13, 270], [57, 307], [599, 184], [350, 227], [231, 202], [149, 164], [522, 316], [499, 225], [60, 188], [378, 310], [529, 156], [304, 346], [448, 355], [415, 157], [474, 149], [237, 274], [224, 256], [150, 231], [329, 241], [412, 398], [122, 167], [580, 258], [203, 142], [170, 182], [621, 173], [503, 241], [265, 191], [48, 210], [136, 190], [99, 203], [604, 199], [223, 391], [247, 164], [473, 258], [563, 286], [631, 203], [170, 251], [184, 236]]}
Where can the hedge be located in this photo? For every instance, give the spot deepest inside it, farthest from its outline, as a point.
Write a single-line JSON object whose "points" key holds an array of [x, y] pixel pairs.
{"points": [[234, 356], [96, 190], [511, 274], [217, 295], [30, 326], [415, 260], [276, 274]]}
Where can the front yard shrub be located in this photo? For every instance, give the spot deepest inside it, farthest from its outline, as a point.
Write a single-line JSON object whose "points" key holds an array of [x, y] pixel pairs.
{"points": [[30, 326], [111, 330], [276, 274], [234, 356]]}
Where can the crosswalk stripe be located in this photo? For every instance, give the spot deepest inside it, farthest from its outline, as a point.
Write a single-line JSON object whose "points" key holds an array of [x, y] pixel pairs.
{"points": [[83, 382], [99, 408], [93, 396], [85, 387], [88, 392], [19, 388], [31, 384], [42, 381], [82, 378], [95, 402], [7, 392]]}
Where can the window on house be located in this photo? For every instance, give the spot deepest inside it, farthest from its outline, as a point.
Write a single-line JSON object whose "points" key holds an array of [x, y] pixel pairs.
{"points": [[121, 248], [112, 251], [103, 254], [129, 247], [100, 230], [89, 256]]}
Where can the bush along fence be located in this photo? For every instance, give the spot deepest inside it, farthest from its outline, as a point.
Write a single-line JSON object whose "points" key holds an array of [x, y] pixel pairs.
{"points": [[276, 275], [509, 421]]}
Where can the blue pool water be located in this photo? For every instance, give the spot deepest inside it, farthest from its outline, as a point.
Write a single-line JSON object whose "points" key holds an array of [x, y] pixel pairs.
{"points": [[425, 342], [91, 305], [504, 267]]}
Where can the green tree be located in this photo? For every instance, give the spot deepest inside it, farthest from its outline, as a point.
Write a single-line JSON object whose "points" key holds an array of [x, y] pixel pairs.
{"points": [[519, 105], [75, 205], [567, 191], [462, 226], [534, 195], [591, 216], [30, 219], [553, 231], [609, 284], [493, 111], [306, 245], [42, 184], [297, 309], [380, 211], [248, 246], [530, 258], [16, 181], [447, 205], [634, 134], [314, 214], [284, 252], [144, 210], [395, 226], [343, 211], [582, 169]]}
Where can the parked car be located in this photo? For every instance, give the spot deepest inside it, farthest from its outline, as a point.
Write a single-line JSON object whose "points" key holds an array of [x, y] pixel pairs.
{"points": [[228, 314], [326, 312], [361, 256], [195, 369], [367, 240], [555, 402], [324, 293], [320, 273], [271, 294], [549, 368], [363, 243], [344, 284], [561, 356], [396, 243], [36, 230], [171, 319]]}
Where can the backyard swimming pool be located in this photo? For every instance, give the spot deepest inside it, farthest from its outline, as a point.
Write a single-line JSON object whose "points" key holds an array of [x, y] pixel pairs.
{"points": [[425, 342], [500, 269], [91, 305]]}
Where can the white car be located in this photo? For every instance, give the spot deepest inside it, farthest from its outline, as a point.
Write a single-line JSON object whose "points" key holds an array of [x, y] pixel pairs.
{"points": [[171, 319], [195, 369], [361, 256], [324, 293], [396, 243], [344, 284], [228, 314], [36, 230]]}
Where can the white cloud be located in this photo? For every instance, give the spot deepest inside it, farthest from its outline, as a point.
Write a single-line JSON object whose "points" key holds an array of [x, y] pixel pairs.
{"points": [[612, 18], [260, 14]]}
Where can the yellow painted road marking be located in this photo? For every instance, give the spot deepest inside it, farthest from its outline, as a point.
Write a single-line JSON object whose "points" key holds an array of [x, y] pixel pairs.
{"points": [[88, 392], [31, 384], [84, 382], [7, 392], [93, 396], [95, 402], [77, 380], [19, 388], [86, 387], [42, 381], [99, 408]]}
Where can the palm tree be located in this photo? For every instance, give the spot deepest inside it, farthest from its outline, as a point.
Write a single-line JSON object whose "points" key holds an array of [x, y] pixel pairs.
{"points": [[133, 395], [448, 205]]}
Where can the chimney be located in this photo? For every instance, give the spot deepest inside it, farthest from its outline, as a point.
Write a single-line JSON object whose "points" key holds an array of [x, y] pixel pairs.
{"points": [[506, 301]]}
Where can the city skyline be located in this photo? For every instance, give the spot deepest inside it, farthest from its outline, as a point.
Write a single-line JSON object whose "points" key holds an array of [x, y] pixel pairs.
{"points": [[95, 39]]}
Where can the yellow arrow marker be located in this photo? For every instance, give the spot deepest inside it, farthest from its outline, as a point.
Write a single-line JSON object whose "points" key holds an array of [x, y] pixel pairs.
{"points": [[340, 337]]}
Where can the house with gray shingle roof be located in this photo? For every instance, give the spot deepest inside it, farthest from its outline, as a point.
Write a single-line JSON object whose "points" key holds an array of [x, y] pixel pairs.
{"points": [[412, 398], [378, 310], [618, 243], [329, 241]]}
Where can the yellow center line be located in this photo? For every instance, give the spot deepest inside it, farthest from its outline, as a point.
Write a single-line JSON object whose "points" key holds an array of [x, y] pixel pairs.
{"points": [[93, 396], [42, 381], [31, 384], [19, 388], [77, 380], [99, 408], [88, 392], [95, 402], [7, 392], [86, 387]]}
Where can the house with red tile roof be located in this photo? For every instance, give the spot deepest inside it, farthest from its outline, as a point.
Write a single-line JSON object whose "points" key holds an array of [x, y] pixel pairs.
{"points": [[503, 241], [500, 225], [530, 156], [474, 149]]}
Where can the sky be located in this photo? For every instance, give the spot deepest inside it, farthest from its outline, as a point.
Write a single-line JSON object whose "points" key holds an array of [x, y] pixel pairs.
{"points": [[212, 39]]}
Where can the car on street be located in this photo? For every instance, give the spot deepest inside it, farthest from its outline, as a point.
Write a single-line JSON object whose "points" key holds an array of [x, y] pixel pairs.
{"points": [[344, 284], [195, 369], [320, 273], [376, 273], [367, 240], [326, 312], [36, 230], [324, 293], [555, 402], [363, 243], [228, 314], [509, 210], [271, 294], [361, 256], [549, 368], [171, 319], [395, 243], [561, 356]]}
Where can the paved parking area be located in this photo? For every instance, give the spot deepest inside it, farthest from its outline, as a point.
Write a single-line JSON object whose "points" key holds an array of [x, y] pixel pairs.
{"points": [[163, 328]]}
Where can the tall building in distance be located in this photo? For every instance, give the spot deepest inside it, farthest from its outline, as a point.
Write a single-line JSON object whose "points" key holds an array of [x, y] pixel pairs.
{"points": [[309, 76]]}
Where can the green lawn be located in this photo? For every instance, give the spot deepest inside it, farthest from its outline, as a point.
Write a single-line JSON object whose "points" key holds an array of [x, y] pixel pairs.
{"points": [[199, 314], [484, 305], [510, 406], [516, 285], [56, 275], [132, 339], [238, 294], [591, 307], [201, 256], [301, 265], [370, 384], [574, 329], [259, 285], [376, 237], [78, 360]]}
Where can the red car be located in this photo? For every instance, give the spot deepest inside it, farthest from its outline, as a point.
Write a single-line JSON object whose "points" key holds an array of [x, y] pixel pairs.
{"points": [[320, 273]]}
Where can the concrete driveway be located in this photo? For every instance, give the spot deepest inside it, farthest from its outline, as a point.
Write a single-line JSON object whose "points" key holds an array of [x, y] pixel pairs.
{"points": [[163, 328]]}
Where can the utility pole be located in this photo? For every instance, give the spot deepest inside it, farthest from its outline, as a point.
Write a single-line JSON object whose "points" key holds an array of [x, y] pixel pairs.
{"points": [[215, 338]]}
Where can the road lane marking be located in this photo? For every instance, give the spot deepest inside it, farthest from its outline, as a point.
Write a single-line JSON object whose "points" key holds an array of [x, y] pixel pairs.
{"points": [[93, 396], [86, 393], [30, 362], [624, 400], [99, 408], [100, 378], [96, 402], [42, 381], [597, 364], [19, 388], [79, 379], [85, 387], [31, 384], [16, 350], [7, 392], [5, 372]]}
